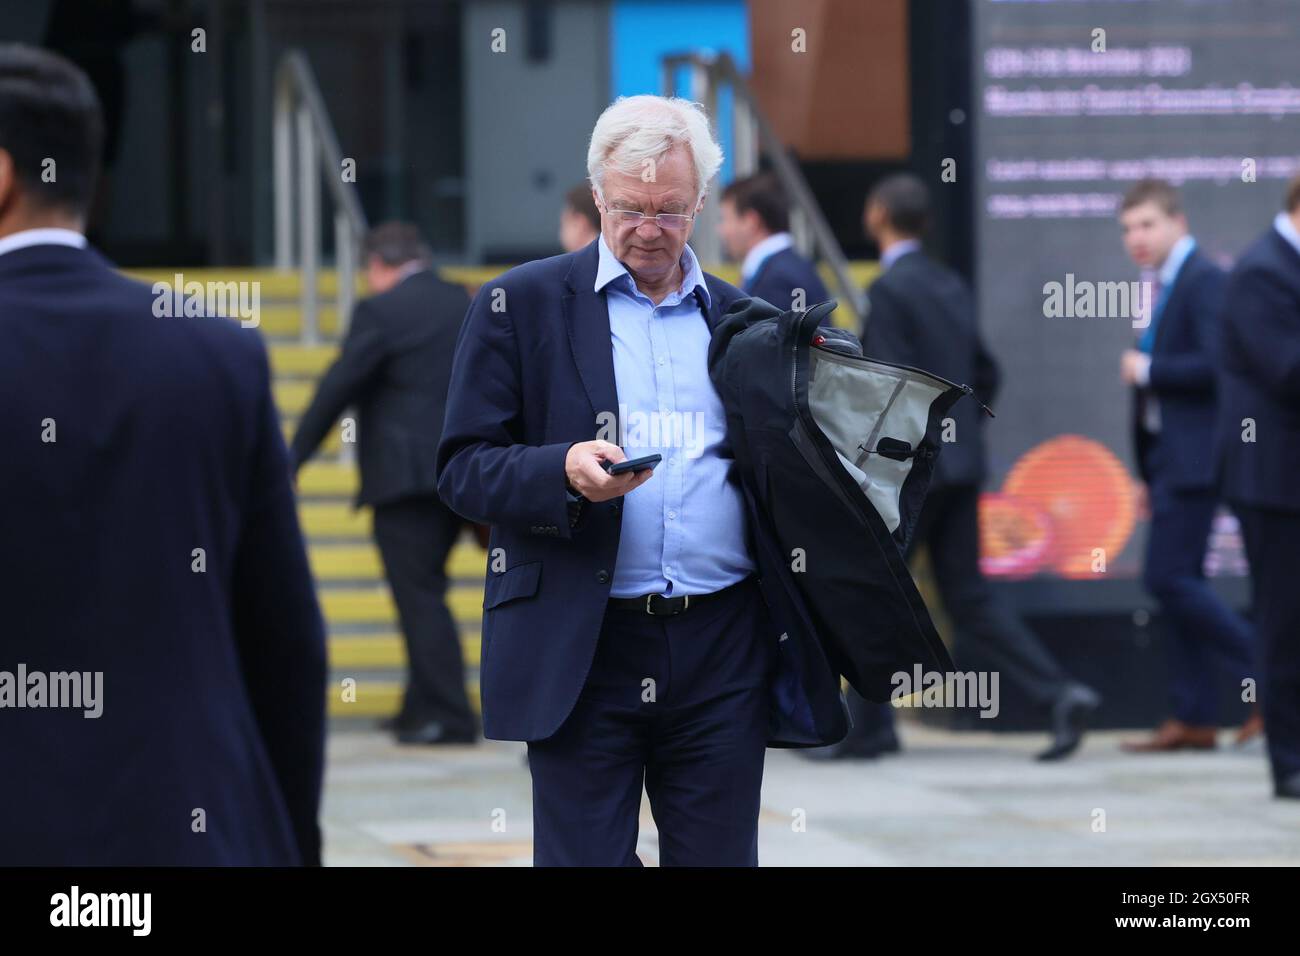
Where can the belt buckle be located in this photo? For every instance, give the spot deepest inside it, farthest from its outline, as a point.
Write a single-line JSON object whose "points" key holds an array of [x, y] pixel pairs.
{"points": [[686, 603]]}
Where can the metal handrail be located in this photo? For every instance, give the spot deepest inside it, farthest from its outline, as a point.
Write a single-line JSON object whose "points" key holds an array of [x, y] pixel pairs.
{"points": [[305, 143], [752, 133]]}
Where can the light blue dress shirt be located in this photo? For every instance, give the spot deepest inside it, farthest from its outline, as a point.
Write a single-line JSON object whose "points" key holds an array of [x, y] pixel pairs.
{"points": [[1287, 230], [684, 529], [762, 251], [897, 251]]}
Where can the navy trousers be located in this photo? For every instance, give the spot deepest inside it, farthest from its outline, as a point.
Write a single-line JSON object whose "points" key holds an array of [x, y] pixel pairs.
{"points": [[678, 705], [1206, 633], [1273, 546]]}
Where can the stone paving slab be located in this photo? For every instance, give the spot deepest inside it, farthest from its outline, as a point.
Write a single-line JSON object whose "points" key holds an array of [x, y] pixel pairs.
{"points": [[958, 799]]}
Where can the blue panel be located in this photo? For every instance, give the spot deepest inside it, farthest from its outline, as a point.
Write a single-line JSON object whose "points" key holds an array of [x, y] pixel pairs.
{"points": [[645, 30]]}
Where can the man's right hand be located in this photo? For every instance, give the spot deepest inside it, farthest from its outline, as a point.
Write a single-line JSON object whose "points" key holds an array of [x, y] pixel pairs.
{"points": [[587, 477]]}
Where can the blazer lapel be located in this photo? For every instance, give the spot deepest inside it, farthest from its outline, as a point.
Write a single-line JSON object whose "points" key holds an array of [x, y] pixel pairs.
{"points": [[586, 317], [1176, 296]]}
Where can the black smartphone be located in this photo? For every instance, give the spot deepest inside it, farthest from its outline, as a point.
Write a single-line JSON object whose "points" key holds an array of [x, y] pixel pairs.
{"points": [[633, 464]]}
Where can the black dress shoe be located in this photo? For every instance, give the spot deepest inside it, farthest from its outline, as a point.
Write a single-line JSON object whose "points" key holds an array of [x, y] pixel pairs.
{"points": [[1288, 789], [434, 733], [879, 744], [857, 748], [1070, 714]]}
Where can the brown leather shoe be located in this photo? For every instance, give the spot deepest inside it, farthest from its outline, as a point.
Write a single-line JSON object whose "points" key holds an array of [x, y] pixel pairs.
{"points": [[1252, 728], [1173, 735]]}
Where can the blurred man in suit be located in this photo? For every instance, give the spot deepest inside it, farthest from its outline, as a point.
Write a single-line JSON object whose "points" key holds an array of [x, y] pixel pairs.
{"points": [[921, 314], [1259, 444], [1172, 375], [579, 219], [151, 544], [754, 226], [394, 368]]}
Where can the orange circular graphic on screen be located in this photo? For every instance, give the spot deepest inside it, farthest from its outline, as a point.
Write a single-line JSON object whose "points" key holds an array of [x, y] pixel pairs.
{"points": [[1062, 501], [1015, 536]]}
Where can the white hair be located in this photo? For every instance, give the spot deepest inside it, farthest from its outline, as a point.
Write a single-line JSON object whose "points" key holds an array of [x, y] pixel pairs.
{"points": [[637, 129]]}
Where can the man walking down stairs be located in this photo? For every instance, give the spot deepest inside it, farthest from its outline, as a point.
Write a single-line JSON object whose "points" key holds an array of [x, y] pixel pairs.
{"points": [[394, 367]]}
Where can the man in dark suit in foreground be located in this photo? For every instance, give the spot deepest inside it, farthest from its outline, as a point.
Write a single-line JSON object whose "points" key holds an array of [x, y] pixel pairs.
{"points": [[1172, 374], [162, 665], [394, 367], [921, 314], [1259, 445], [754, 225]]}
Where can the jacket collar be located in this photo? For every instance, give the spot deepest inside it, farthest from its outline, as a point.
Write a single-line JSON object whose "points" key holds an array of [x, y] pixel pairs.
{"points": [[586, 318], [48, 258]]}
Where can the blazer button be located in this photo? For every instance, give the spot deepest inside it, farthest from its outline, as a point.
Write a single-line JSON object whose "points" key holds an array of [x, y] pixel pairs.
{"points": [[602, 576], [617, 507]]}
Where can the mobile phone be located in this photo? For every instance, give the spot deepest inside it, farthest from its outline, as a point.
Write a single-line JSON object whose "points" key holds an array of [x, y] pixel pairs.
{"points": [[633, 464]]}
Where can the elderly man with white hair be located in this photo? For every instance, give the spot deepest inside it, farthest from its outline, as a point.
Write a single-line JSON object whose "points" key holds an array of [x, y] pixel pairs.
{"points": [[624, 635]]}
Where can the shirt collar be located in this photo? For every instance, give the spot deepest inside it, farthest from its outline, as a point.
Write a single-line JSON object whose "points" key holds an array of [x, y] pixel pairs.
{"points": [[610, 269], [897, 251], [410, 269], [762, 250], [1174, 261], [1283, 224], [41, 237]]}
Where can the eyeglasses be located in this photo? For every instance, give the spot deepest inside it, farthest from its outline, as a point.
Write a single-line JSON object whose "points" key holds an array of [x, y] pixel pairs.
{"points": [[673, 221]]}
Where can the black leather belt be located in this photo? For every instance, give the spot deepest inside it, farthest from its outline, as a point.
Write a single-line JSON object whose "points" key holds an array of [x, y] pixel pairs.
{"points": [[659, 605]]}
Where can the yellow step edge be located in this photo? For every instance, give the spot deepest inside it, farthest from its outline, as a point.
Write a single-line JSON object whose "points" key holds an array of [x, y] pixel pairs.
{"points": [[374, 699], [388, 651], [335, 562], [375, 605], [287, 284], [286, 320], [324, 478], [333, 520], [312, 360], [340, 561], [292, 398], [274, 283], [332, 445]]}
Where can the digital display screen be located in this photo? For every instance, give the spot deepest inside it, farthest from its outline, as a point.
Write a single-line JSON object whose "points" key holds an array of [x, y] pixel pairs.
{"points": [[1076, 100]]}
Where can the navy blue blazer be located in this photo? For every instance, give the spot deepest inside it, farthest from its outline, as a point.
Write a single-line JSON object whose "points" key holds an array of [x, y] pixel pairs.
{"points": [[1260, 377], [534, 368], [1182, 379], [780, 274], [130, 442]]}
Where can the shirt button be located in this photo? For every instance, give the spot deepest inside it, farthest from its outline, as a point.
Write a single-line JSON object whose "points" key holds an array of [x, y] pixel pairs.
{"points": [[602, 576], [668, 570], [672, 515], [661, 361]]}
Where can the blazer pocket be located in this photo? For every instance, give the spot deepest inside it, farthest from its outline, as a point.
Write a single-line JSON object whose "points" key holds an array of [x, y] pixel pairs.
{"points": [[517, 582]]}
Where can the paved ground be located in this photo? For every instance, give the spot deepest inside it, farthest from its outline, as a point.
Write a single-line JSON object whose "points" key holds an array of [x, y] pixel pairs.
{"points": [[949, 799]]}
